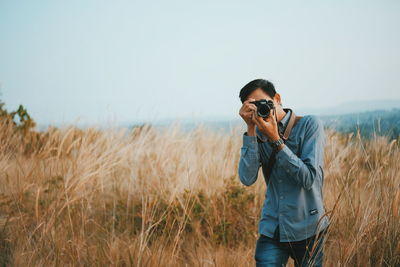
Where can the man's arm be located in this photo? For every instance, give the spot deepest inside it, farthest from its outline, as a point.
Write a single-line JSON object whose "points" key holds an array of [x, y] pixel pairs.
{"points": [[249, 162], [304, 170]]}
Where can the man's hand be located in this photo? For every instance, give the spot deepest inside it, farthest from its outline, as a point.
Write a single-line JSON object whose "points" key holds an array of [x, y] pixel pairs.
{"points": [[267, 126], [246, 112]]}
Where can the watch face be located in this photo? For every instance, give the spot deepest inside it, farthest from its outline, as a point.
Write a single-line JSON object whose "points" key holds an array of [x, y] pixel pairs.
{"points": [[277, 142]]}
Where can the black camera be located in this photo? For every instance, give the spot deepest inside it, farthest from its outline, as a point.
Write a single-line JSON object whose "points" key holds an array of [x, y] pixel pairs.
{"points": [[264, 107]]}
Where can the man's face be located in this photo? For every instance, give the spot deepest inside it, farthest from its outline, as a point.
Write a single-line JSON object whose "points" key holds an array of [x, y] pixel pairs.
{"points": [[260, 94]]}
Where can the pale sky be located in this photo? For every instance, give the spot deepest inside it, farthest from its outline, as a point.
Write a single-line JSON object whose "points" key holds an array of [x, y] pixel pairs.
{"points": [[151, 60]]}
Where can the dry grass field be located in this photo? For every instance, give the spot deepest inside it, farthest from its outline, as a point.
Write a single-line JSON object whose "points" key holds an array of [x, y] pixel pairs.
{"points": [[148, 197]]}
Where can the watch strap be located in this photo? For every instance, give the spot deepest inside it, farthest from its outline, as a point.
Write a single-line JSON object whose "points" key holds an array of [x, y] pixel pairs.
{"points": [[277, 143]]}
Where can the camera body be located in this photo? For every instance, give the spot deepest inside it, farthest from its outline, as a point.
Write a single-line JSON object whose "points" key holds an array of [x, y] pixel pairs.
{"points": [[264, 107]]}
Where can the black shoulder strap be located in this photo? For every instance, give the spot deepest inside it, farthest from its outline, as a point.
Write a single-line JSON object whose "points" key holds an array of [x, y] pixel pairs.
{"points": [[292, 122]]}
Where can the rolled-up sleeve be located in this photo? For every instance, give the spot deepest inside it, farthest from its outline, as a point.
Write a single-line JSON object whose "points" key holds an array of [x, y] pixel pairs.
{"points": [[305, 169], [249, 162]]}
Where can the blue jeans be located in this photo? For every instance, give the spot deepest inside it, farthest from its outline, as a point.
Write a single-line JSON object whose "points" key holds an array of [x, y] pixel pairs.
{"points": [[270, 252]]}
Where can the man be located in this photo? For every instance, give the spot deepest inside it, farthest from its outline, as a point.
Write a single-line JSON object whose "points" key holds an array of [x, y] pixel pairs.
{"points": [[292, 221]]}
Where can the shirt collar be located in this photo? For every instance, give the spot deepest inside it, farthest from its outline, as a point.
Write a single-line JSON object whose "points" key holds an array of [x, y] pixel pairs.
{"points": [[285, 119]]}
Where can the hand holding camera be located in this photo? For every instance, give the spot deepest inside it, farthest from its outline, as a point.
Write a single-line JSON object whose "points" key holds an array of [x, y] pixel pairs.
{"points": [[265, 118], [246, 112], [260, 113]]}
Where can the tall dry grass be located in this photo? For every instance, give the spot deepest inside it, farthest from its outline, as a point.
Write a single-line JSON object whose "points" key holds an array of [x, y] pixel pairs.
{"points": [[151, 197]]}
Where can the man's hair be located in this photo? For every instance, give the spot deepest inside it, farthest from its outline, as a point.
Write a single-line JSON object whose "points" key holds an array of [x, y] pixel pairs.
{"points": [[264, 85]]}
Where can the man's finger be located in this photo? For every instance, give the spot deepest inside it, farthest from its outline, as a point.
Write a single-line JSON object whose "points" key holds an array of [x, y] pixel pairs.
{"points": [[271, 116], [248, 100], [259, 120], [254, 119], [274, 115], [248, 113], [251, 106]]}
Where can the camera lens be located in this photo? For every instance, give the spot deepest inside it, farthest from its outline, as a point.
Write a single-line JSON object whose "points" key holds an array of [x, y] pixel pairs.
{"points": [[264, 110]]}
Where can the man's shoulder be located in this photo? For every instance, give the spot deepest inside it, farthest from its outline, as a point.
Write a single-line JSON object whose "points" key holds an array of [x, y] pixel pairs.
{"points": [[312, 119], [313, 122]]}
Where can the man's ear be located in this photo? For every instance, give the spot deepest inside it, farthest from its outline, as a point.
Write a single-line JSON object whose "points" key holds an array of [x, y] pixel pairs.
{"points": [[277, 98]]}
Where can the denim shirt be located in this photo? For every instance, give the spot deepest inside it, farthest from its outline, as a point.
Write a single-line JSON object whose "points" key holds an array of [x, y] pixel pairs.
{"points": [[294, 197]]}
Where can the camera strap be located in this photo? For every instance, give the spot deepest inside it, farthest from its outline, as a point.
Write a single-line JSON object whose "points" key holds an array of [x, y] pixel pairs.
{"points": [[292, 122]]}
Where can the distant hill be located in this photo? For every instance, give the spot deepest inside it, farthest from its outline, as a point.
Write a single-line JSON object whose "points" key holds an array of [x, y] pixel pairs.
{"points": [[379, 122], [353, 107]]}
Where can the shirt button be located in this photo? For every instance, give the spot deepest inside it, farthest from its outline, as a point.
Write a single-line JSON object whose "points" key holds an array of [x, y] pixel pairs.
{"points": [[281, 197], [280, 180]]}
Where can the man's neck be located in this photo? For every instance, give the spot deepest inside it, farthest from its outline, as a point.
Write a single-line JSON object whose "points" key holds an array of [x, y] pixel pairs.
{"points": [[281, 113]]}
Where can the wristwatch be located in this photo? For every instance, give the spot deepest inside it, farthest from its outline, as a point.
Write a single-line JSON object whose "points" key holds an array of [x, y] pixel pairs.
{"points": [[277, 143]]}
